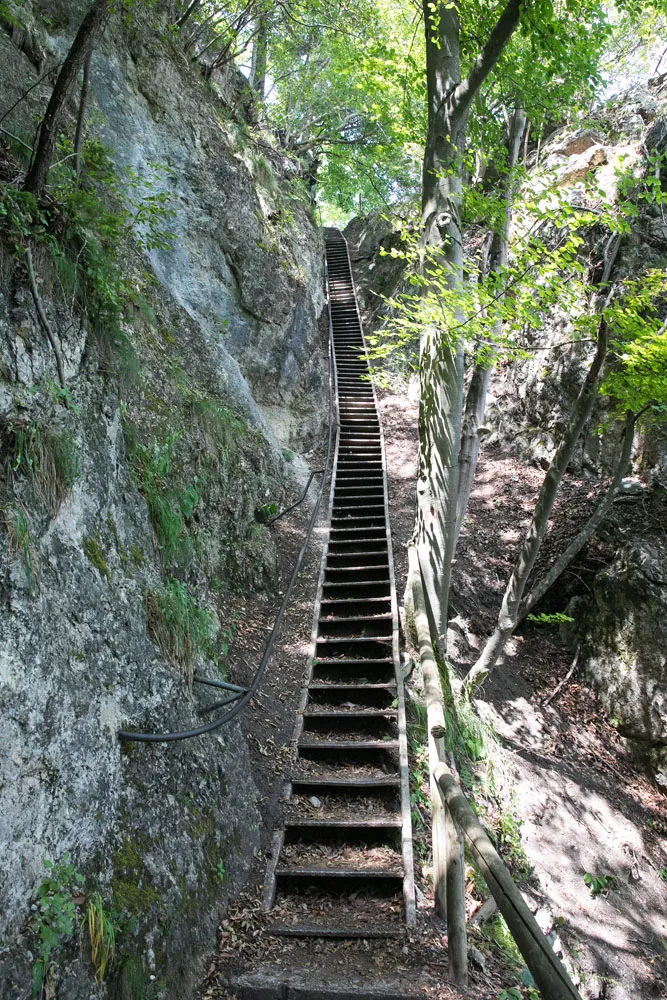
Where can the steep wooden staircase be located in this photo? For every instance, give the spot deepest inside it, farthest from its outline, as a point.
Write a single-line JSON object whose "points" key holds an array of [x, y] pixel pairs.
{"points": [[341, 866]]}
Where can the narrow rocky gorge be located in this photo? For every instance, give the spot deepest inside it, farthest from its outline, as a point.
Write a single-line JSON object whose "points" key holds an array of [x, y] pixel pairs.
{"points": [[168, 387]]}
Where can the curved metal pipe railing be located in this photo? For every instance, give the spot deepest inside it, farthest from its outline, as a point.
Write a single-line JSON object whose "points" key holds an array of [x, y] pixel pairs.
{"points": [[243, 695]]}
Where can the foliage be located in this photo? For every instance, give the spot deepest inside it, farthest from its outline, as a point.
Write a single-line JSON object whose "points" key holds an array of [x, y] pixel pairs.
{"points": [[221, 871], [88, 228], [348, 97], [637, 382], [558, 618], [21, 542], [170, 508], [266, 511], [183, 630], [504, 311], [600, 884], [55, 914]]}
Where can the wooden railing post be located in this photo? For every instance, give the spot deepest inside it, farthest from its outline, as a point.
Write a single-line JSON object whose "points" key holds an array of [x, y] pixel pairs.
{"points": [[448, 869]]}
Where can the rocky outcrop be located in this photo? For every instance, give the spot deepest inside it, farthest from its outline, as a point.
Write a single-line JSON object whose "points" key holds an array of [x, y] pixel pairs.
{"points": [[622, 630], [128, 500], [530, 401]]}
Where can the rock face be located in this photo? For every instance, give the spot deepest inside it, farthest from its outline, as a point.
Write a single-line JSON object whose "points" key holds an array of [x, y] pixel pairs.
{"points": [[622, 628], [127, 504], [530, 401]]}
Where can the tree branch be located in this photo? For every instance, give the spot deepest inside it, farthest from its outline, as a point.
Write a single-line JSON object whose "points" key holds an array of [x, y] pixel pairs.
{"points": [[589, 529], [464, 94], [42, 316]]}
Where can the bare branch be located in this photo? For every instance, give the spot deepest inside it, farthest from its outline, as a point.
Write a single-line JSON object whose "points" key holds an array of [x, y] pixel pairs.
{"points": [[42, 316]]}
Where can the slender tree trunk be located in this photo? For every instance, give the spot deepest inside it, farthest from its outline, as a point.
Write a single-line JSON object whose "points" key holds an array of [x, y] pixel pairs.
{"points": [[441, 364], [530, 547], [260, 53], [90, 26], [589, 529], [81, 118], [190, 9], [441, 367], [475, 406]]}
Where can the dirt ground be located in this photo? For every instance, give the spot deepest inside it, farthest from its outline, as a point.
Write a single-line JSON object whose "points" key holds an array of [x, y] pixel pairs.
{"points": [[585, 805]]}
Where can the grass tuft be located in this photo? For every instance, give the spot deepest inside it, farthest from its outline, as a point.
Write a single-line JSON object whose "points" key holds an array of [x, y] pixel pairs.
{"points": [[182, 629]]}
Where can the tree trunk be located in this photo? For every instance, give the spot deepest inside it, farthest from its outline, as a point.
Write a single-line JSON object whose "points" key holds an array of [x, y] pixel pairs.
{"points": [[589, 529], [475, 405], [441, 368], [441, 364], [81, 119], [530, 547], [260, 52], [190, 9], [92, 23]]}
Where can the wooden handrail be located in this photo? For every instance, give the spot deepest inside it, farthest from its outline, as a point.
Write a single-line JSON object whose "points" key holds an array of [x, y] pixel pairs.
{"points": [[547, 969], [448, 866], [451, 815]]}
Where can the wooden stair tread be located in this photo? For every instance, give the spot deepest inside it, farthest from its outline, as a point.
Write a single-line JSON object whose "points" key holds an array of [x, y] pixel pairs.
{"points": [[314, 871], [305, 744]]}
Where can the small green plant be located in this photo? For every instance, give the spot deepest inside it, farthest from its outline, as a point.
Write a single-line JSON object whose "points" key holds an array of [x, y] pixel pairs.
{"points": [[513, 993], [266, 512], [103, 926], [288, 455], [182, 629], [21, 543], [61, 395], [663, 874], [599, 885], [556, 619], [48, 459], [169, 508], [221, 871], [94, 552], [55, 914]]}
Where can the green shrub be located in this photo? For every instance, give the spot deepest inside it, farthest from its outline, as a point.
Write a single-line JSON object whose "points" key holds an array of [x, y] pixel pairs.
{"points": [[17, 523], [169, 507], [55, 914]]}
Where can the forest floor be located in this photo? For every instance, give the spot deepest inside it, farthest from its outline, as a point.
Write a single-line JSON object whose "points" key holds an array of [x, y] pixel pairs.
{"points": [[577, 803]]}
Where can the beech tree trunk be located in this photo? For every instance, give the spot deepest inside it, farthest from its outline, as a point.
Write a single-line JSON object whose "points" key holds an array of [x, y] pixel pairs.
{"points": [[90, 26], [589, 529], [475, 405], [260, 53], [441, 362]]}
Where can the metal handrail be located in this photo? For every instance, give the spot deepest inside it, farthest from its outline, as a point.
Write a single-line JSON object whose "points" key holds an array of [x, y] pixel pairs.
{"points": [[245, 695], [315, 472]]}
